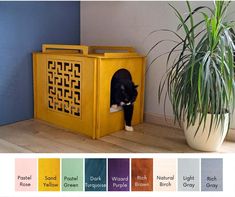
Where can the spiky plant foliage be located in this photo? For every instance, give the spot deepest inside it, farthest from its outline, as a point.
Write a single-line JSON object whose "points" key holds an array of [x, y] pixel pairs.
{"points": [[201, 77]]}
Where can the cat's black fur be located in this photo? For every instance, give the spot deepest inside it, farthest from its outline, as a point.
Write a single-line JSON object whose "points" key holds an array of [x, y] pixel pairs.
{"points": [[124, 93]]}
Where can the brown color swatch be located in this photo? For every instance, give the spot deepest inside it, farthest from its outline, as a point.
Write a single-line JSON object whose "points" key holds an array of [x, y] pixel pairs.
{"points": [[142, 174]]}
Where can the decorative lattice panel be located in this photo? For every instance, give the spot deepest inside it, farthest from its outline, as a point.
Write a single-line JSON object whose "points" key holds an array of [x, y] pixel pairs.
{"points": [[64, 82]]}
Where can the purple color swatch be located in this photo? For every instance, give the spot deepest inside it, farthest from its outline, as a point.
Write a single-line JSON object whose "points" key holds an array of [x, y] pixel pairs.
{"points": [[118, 175]]}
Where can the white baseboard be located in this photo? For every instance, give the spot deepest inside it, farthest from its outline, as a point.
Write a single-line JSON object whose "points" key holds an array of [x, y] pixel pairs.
{"points": [[160, 120], [168, 121], [231, 135]]}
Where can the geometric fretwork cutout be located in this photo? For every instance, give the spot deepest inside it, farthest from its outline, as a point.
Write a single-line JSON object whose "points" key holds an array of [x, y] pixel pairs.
{"points": [[64, 82]]}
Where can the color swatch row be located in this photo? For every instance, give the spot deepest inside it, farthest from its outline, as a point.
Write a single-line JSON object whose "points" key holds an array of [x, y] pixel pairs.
{"points": [[135, 174]]}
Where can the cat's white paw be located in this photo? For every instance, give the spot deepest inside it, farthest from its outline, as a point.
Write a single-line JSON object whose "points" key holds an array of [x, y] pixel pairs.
{"points": [[114, 106], [129, 128], [122, 103]]}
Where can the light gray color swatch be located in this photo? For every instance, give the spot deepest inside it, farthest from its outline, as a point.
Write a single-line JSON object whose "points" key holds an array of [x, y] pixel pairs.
{"points": [[188, 174]]}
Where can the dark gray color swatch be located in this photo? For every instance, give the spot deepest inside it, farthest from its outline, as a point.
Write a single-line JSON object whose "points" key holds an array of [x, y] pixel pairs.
{"points": [[212, 174]]}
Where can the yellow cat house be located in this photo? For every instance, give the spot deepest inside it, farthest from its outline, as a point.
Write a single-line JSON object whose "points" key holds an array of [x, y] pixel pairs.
{"points": [[72, 86]]}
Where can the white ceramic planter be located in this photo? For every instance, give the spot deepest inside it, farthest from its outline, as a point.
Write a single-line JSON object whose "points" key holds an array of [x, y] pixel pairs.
{"points": [[201, 140]]}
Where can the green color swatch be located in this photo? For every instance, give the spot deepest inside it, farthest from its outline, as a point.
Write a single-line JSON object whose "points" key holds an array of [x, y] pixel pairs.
{"points": [[72, 175]]}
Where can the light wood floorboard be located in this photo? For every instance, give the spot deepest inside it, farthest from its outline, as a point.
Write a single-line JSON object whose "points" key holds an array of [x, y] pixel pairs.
{"points": [[40, 137]]}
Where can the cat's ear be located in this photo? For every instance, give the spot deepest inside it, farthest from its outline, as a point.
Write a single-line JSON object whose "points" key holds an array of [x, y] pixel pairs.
{"points": [[122, 87], [136, 86]]}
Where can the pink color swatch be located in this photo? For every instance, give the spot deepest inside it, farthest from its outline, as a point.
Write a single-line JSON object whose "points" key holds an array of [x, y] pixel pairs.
{"points": [[25, 174], [165, 174]]}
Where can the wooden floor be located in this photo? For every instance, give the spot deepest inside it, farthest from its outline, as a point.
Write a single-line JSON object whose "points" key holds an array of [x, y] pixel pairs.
{"points": [[39, 137]]}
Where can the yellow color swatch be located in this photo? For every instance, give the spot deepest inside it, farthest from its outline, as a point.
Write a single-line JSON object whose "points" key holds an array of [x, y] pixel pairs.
{"points": [[49, 175]]}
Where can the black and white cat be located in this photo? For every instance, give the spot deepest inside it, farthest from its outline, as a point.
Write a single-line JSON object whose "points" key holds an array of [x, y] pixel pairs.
{"points": [[124, 93]]}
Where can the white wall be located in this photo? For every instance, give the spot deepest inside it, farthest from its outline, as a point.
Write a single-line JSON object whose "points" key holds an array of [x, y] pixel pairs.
{"points": [[129, 23]]}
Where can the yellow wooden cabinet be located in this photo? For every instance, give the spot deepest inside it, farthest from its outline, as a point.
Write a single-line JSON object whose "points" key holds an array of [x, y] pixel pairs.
{"points": [[72, 86]]}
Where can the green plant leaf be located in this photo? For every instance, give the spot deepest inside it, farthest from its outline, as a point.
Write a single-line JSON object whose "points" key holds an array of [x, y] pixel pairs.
{"points": [[199, 78]]}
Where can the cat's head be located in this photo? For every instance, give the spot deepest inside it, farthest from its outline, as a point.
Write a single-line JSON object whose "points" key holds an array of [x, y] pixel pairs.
{"points": [[128, 92]]}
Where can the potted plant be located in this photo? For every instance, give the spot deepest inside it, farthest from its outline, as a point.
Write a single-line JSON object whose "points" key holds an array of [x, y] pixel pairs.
{"points": [[200, 82]]}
